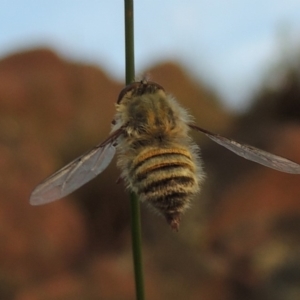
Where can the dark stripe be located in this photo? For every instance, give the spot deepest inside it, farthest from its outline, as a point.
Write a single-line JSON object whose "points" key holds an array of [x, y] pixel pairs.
{"points": [[141, 143], [169, 203], [172, 181]]}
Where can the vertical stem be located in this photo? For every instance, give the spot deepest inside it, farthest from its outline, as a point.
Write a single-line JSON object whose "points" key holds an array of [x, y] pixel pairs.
{"points": [[129, 41], [135, 206], [136, 246]]}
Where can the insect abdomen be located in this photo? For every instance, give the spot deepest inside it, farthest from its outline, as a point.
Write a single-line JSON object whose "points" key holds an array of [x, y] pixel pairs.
{"points": [[165, 178]]}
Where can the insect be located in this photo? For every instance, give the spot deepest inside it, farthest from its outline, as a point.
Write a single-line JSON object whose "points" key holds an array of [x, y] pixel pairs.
{"points": [[158, 159]]}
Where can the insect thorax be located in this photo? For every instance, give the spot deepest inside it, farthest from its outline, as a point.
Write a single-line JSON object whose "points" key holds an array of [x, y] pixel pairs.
{"points": [[153, 116]]}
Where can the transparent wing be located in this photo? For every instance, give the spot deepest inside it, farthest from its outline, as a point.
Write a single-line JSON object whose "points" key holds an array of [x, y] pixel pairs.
{"points": [[251, 153], [76, 173]]}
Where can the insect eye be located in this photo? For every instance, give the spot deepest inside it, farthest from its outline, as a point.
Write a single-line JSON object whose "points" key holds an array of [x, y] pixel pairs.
{"points": [[153, 86], [127, 89], [139, 88]]}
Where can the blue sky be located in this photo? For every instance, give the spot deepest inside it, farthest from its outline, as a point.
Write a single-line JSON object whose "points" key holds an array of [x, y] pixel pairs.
{"points": [[230, 44]]}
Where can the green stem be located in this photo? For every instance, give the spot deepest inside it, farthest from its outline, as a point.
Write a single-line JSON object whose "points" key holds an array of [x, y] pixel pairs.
{"points": [[135, 206], [129, 42], [136, 246]]}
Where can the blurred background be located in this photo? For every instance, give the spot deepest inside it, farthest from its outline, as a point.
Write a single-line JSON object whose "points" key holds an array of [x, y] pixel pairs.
{"points": [[236, 67]]}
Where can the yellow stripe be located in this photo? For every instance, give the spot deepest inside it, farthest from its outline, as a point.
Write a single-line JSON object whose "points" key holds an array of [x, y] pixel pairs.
{"points": [[150, 152]]}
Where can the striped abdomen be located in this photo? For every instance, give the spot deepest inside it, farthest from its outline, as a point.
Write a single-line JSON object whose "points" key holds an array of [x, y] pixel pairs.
{"points": [[165, 178]]}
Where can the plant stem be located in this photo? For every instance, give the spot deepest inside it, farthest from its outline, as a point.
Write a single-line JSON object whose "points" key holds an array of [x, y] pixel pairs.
{"points": [[136, 246], [129, 42], [135, 206]]}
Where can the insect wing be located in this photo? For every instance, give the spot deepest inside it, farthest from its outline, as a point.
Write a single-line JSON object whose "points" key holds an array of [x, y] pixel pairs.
{"points": [[74, 175], [254, 154]]}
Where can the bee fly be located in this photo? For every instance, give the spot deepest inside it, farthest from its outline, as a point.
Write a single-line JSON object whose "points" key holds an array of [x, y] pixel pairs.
{"points": [[158, 159]]}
